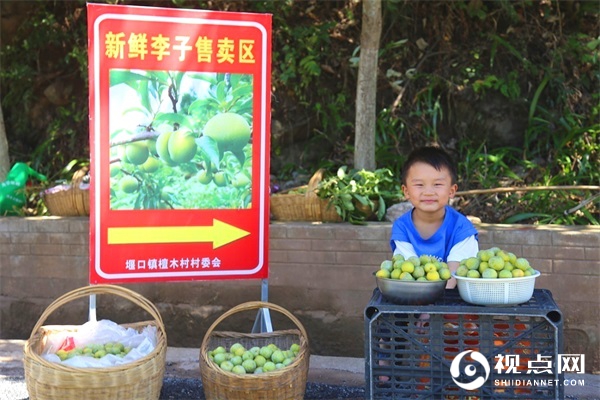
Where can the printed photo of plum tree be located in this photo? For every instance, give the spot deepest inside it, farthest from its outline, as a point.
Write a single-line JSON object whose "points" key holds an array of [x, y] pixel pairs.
{"points": [[180, 140]]}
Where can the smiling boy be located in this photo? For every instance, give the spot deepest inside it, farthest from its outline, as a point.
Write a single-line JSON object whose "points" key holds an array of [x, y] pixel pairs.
{"points": [[432, 227]]}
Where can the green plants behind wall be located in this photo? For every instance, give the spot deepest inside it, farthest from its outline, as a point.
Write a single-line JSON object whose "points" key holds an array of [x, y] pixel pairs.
{"points": [[359, 195]]}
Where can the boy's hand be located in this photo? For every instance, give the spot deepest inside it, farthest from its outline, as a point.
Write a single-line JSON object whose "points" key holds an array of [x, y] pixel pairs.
{"points": [[453, 266], [451, 284]]}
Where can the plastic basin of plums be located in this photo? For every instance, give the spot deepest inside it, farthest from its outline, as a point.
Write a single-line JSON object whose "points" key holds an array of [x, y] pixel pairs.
{"points": [[496, 292], [403, 292]]}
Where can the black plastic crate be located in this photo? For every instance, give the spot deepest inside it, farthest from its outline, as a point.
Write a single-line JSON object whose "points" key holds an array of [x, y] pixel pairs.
{"points": [[409, 355]]}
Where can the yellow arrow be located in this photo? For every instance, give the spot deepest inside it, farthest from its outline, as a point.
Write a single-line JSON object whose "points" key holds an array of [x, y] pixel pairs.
{"points": [[219, 234]]}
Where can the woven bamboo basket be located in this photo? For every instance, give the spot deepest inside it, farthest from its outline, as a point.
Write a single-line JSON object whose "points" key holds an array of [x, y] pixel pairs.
{"points": [[73, 201], [304, 207], [141, 379], [288, 206], [328, 212], [288, 383]]}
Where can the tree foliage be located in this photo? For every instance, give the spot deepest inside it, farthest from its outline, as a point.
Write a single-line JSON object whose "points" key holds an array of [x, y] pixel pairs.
{"points": [[455, 73]]}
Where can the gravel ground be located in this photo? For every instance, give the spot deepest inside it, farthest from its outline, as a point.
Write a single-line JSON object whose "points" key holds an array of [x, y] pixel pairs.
{"points": [[188, 388], [183, 389]]}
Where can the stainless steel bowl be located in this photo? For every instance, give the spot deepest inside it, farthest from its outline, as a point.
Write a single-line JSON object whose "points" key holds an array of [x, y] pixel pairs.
{"points": [[410, 292]]}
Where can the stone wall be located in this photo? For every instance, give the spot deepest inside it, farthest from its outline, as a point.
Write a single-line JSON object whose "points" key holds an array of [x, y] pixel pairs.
{"points": [[322, 273]]}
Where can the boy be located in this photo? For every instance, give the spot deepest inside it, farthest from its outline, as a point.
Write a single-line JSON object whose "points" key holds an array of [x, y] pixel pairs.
{"points": [[432, 227]]}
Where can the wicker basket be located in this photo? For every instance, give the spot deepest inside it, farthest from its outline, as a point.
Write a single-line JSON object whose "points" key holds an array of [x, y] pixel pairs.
{"points": [[288, 206], [328, 212], [73, 201], [141, 379], [306, 206], [281, 384]]}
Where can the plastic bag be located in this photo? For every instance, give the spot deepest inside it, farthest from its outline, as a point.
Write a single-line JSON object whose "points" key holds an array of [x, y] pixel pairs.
{"points": [[12, 190], [100, 332]]}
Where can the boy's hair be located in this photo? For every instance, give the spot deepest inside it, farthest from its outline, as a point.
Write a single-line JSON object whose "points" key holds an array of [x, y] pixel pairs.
{"points": [[434, 156]]}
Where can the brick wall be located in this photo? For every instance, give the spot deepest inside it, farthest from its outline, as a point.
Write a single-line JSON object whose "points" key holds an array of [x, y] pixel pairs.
{"points": [[322, 273]]}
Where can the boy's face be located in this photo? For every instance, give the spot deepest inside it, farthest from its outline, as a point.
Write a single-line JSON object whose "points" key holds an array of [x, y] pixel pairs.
{"points": [[428, 189]]}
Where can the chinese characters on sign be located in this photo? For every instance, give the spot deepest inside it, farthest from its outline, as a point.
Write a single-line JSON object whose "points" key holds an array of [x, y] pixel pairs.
{"points": [[570, 363], [120, 45], [172, 264]]}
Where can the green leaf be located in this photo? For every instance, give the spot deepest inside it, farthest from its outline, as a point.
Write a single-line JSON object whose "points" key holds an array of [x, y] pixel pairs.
{"points": [[221, 91], [362, 200], [310, 66], [144, 91], [135, 109], [199, 107], [175, 118], [118, 76], [381, 209], [524, 216], [348, 205], [590, 217], [177, 77], [209, 149], [161, 77], [240, 155], [210, 78], [242, 91]]}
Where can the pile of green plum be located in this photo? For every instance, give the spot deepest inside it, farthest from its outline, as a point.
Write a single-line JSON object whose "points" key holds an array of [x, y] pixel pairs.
{"points": [[424, 268], [495, 263], [95, 350], [255, 360]]}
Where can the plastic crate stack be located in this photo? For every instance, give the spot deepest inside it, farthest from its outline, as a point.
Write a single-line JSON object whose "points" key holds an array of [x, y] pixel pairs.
{"points": [[432, 352]]}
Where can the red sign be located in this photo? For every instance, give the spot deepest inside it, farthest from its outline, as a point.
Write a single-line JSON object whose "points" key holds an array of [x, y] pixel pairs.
{"points": [[179, 137]]}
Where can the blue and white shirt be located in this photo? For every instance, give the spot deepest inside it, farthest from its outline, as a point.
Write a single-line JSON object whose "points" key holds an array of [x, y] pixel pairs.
{"points": [[455, 240]]}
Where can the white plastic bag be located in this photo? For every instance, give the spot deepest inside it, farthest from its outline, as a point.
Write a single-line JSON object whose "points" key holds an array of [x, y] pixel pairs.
{"points": [[100, 332]]}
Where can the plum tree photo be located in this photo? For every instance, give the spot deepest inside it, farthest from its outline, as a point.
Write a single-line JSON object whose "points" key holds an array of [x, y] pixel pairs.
{"points": [[180, 140]]}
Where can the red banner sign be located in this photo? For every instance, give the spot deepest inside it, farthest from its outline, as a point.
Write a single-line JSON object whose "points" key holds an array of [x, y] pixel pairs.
{"points": [[179, 138]]}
